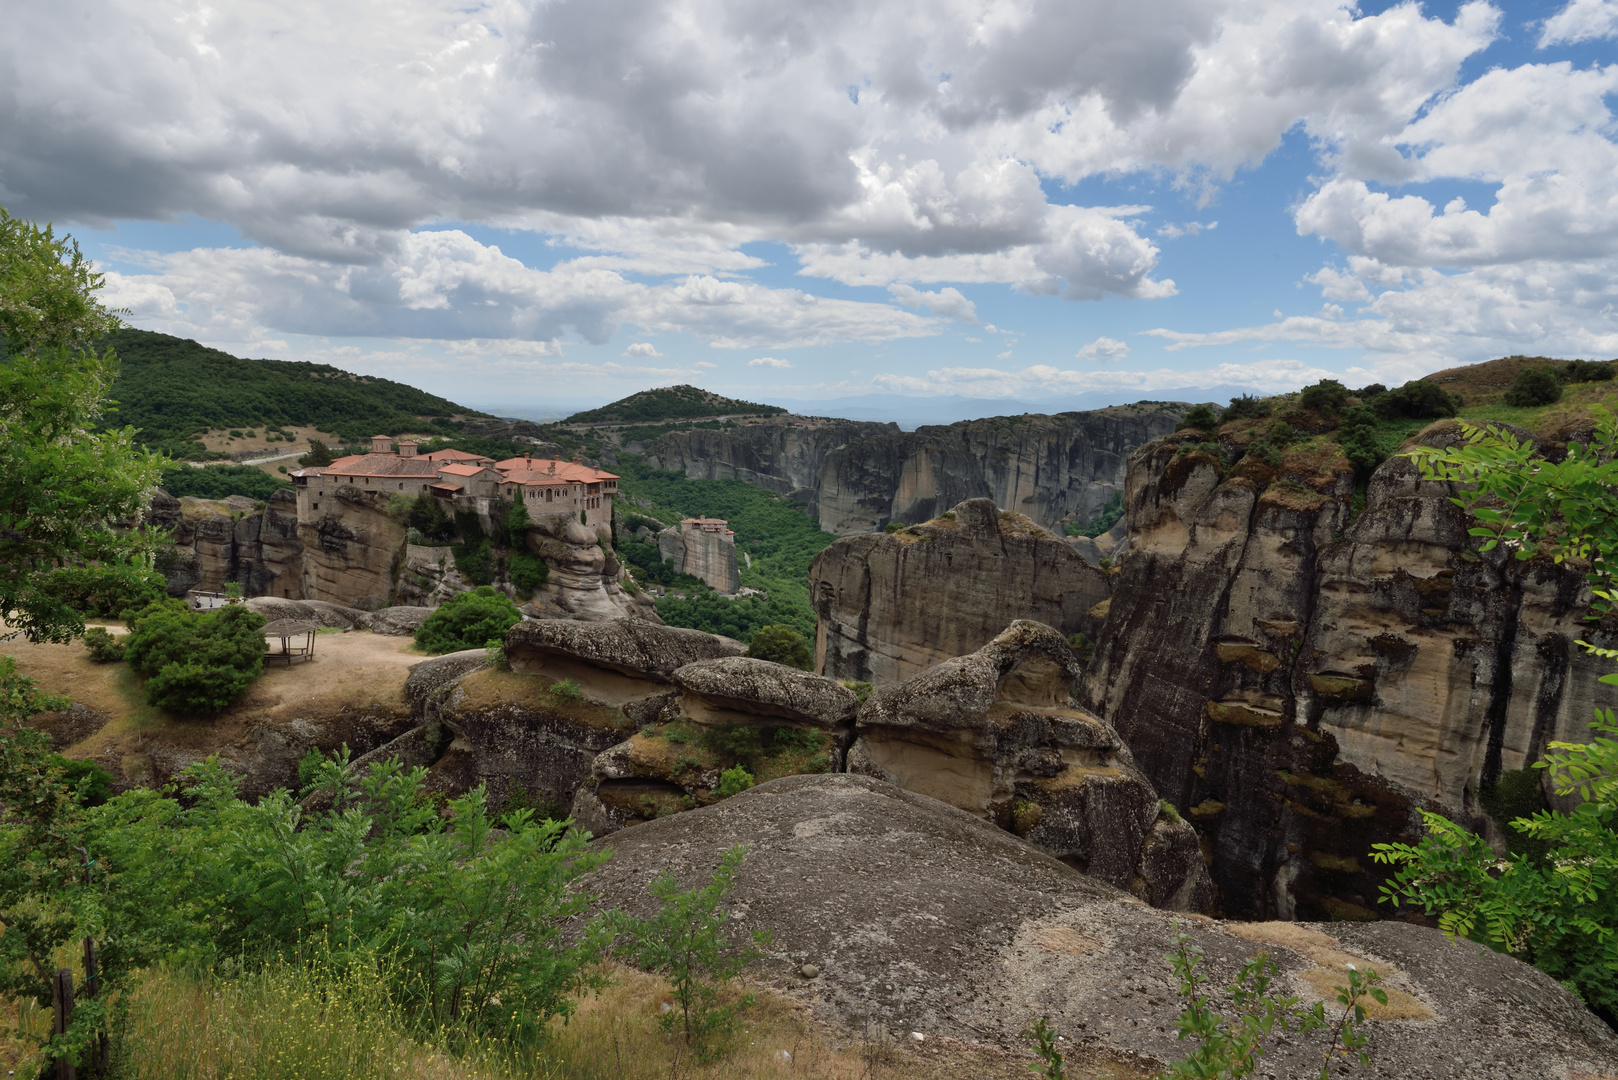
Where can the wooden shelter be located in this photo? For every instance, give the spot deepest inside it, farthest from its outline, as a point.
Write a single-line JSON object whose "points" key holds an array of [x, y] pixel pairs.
{"points": [[295, 638]]}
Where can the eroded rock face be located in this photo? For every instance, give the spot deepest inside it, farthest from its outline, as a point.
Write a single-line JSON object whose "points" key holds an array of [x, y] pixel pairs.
{"points": [[743, 685], [921, 917], [586, 580], [216, 545], [996, 734], [891, 604], [1297, 683], [783, 456]]}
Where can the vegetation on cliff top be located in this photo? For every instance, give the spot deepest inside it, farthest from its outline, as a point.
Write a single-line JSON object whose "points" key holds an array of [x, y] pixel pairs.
{"points": [[671, 403], [171, 389], [220, 481], [775, 534]]}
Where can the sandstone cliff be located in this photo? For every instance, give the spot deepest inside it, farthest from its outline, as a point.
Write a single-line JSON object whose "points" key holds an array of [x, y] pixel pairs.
{"points": [[1298, 681], [707, 554], [859, 477], [891, 604], [215, 545]]}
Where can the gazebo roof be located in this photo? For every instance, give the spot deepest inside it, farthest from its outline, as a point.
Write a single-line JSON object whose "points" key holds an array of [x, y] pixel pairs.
{"points": [[282, 628]]}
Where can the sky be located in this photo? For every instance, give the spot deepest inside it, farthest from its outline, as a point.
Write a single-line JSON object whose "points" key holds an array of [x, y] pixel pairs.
{"points": [[534, 204]]}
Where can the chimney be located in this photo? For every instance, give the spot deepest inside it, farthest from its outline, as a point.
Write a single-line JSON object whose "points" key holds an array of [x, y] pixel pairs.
{"points": [[381, 444], [578, 461], [552, 469], [407, 447]]}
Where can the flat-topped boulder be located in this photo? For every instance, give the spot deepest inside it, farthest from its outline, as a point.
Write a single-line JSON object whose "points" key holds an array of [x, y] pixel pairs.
{"points": [[752, 687], [337, 616], [920, 917], [631, 647]]}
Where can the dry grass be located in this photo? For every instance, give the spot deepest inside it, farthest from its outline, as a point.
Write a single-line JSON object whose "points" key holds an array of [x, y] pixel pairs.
{"points": [[313, 1024], [1331, 967]]}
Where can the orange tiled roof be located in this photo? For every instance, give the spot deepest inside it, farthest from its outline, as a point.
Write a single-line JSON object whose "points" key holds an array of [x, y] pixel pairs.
{"points": [[459, 469], [454, 456], [380, 465], [566, 471]]}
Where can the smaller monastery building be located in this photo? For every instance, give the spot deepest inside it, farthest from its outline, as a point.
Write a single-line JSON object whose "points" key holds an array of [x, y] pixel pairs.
{"points": [[463, 480]]}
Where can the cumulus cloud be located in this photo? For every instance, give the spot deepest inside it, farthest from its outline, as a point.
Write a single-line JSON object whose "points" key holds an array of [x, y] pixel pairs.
{"points": [[1581, 20], [642, 348], [1045, 380], [1102, 350], [947, 302], [768, 362]]}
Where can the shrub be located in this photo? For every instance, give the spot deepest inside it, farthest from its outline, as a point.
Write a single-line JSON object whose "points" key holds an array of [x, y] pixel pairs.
{"points": [[862, 690], [1325, 396], [1360, 441], [527, 572], [1583, 371], [1366, 393], [685, 941], [1247, 407], [1105, 520], [565, 690], [468, 620], [733, 781], [781, 644], [104, 591], [1201, 417], [736, 743], [1417, 399], [103, 647], [474, 560], [197, 664], [1534, 386], [91, 784]]}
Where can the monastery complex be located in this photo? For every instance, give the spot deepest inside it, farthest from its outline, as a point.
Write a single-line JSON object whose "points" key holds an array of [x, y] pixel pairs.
{"points": [[543, 485]]}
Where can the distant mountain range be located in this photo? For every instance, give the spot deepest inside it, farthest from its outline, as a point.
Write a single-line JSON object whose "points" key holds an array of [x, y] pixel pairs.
{"points": [[912, 412]]}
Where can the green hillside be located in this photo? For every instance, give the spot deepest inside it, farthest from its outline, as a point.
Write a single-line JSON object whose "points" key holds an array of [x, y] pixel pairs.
{"points": [[172, 389], [670, 403]]}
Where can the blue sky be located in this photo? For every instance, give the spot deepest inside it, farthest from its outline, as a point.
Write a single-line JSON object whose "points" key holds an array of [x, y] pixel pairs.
{"points": [[535, 206]]}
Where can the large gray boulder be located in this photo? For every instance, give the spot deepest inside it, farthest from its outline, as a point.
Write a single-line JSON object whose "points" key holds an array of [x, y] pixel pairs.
{"points": [[920, 917], [632, 647], [338, 616], [763, 688], [401, 621], [438, 673], [995, 733]]}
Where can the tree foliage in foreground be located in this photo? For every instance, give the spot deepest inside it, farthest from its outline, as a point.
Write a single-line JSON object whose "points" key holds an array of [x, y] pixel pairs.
{"points": [[65, 485], [1556, 903]]}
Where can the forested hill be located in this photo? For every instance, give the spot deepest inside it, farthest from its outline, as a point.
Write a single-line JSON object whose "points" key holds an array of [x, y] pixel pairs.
{"points": [[671, 403], [171, 389]]}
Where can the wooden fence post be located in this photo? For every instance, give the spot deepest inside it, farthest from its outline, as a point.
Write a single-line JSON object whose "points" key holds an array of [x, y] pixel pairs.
{"points": [[92, 987], [62, 996]]}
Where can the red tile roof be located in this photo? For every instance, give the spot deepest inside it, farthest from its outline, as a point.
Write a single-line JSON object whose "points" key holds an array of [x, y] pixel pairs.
{"points": [[566, 471], [454, 455], [380, 465], [461, 470]]}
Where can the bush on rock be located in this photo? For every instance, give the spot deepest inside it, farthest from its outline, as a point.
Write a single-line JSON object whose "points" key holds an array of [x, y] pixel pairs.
{"points": [[469, 620]]}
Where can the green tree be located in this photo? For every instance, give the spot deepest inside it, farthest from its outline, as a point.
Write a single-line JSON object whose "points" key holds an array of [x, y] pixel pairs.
{"points": [[318, 457], [196, 665], [1417, 399], [1247, 407], [685, 940], [1559, 909], [1201, 417], [468, 620], [783, 645], [1325, 396], [64, 486], [1534, 386]]}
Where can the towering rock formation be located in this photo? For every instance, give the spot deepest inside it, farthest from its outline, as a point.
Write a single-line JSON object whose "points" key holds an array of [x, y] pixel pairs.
{"points": [[703, 548], [860, 477], [892, 604], [215, 546], [1298, 680]]}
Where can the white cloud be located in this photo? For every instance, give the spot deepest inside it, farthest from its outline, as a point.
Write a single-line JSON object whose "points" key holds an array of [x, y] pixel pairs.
{"points": [[1103, 350], [706, 364], [947, 302], [1172, 231], [1044, 380], [642, 348], [1336, 285], [1581, 20], [768, 362]]}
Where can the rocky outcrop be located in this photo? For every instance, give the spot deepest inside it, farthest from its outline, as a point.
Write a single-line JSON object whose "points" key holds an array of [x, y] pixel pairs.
{"points": [[891, 604], [703, 548], [216, 545], [352, 553], [860, 477], [586, 580], [918, 917], [605, 652], [996, 734], [734, 712], [1297, 681]]}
